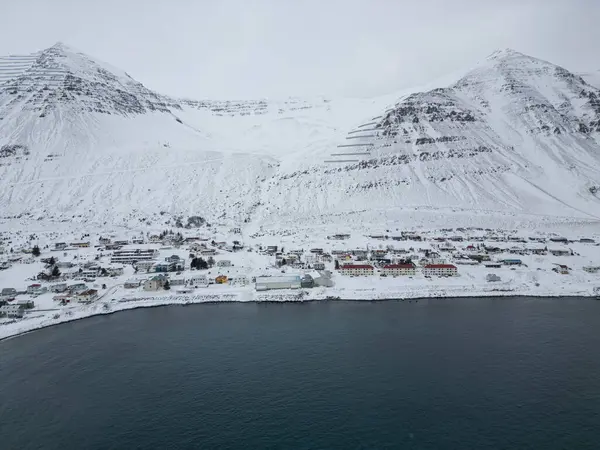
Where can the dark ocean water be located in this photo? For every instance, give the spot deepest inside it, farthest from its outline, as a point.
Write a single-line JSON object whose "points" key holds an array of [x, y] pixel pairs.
{"points": [[437, 374]]}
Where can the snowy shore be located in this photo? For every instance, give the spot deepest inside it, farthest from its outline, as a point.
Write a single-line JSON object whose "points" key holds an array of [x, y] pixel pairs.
{"points": [[36, 320]]}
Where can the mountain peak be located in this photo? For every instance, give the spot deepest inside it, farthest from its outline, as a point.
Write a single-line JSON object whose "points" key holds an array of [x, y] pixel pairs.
{"points": [[505, 53]]}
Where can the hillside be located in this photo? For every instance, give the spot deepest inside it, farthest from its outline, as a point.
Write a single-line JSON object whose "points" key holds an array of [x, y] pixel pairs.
{"points": [[81, 140]]}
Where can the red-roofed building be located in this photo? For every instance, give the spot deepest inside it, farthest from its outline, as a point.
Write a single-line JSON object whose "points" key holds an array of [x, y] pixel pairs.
{"points": [[357, 270], [394, 270], [440, 270]]}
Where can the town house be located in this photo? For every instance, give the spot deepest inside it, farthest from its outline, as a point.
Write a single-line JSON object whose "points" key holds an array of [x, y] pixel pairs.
{"points": [[357, 270], [394, 270], [440, 270]]}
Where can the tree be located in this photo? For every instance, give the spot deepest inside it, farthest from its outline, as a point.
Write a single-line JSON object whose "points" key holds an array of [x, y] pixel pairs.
{"points": [[210, 262], [36, 251], [167, 286], [55, 272], [202, 265], [52, 261], [283, 261], [104, 286], [337, 265]]}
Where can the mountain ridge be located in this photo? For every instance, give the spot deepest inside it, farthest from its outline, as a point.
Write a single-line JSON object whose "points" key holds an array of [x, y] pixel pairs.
{"points": [[493, 140]]}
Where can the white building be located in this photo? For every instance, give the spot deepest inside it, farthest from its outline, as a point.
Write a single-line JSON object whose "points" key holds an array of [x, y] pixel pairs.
{"points": [[58, 287], [132, 284], [198, 280], [224, 263], [145, 266], [11, 311], [36, 289], [283, 282], [88, 295], [440, 270], [239, 280], [394, 270], [177, 281], [357, 270], [130, 256], [592, 269]]}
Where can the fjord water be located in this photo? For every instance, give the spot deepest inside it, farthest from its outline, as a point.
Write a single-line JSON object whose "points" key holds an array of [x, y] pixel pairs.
{"points": [[434, 374]]}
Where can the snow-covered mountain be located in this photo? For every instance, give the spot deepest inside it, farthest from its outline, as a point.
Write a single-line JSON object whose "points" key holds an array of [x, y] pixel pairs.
{"points": [[82, 140]]}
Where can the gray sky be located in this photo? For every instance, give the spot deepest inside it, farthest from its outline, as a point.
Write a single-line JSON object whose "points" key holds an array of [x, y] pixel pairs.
{"points": [[262, 48]]}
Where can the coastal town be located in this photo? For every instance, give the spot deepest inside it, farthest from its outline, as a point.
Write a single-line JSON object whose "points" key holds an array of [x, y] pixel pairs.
{"points": [[50, 278]]}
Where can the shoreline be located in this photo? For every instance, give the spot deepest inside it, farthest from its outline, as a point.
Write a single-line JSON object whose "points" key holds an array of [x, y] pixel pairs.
{"points": [[166, 301]]}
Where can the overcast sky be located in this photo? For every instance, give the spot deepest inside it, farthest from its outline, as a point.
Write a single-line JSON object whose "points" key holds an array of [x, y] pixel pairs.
{"points": [[274, 48]]}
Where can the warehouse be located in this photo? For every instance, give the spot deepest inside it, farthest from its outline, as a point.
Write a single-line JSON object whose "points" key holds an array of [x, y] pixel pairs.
{"points": [[285, 282]]}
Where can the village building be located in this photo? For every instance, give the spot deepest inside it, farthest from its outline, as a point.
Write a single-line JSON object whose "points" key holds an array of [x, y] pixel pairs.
{"points": [[58, 246], [587, 241], [318, 266], [164, 266], [130, 256], [114, 271], [440, 270], [591, 269], [121, 242], [63, 298], [65, 264], [132, 284], [561, 269], [379, 254], [395, 270], [559, 239], [492, 277], [339, 237], [177, 281], [239, 280], [537, 250], [512, 262], [208, 252], [224, 263], [137, 240], [155, 283], [560, 252], [198, 280], [154, 239], [80, 244], [11, 311], [278, 282], [196, 247], [357, 270], [26, 303], [77, 287], [432, 260], [58, 287], [89, 295], [8, 294], [144, 266], [104, 240], [89, 273], [36, 289], [479, 257], [492, 265]]}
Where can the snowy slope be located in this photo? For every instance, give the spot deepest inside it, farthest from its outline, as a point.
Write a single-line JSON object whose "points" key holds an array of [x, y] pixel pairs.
{"points": [[515, 134], [82, 140]]}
